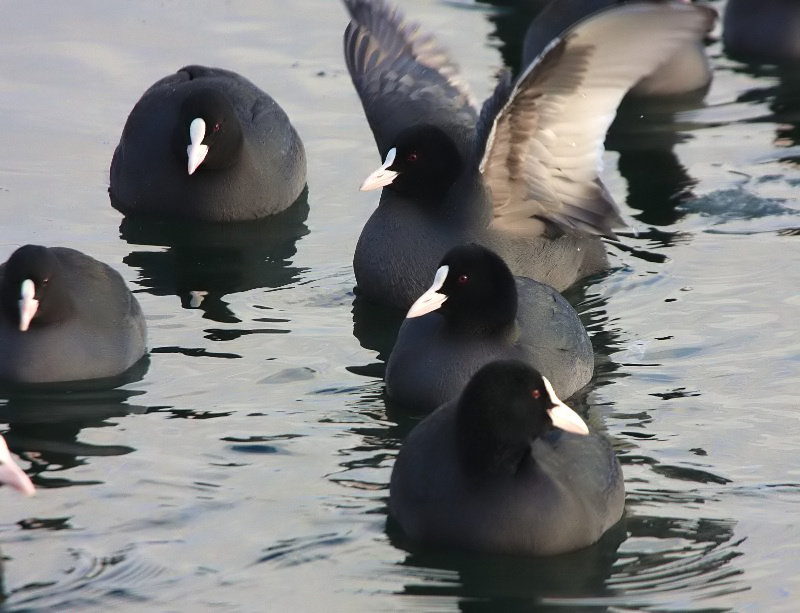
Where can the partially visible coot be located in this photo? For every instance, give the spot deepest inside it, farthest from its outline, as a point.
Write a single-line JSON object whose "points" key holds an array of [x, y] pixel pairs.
{"points": [[65, 316], [11, 474], [767, 31], [687, 73], [476, 312]]}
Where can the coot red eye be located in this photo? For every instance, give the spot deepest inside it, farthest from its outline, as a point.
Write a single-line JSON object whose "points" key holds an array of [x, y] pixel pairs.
{"points": [[412, 157], [217, 127], [463, 279], [536, 394]]}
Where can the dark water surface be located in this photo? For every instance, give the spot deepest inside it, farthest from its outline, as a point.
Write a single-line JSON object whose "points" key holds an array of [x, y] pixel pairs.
{"points": [[247, 467]]}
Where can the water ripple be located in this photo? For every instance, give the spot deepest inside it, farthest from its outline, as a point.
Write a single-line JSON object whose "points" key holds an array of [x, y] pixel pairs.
{"points": [[294, 551], [121, 578], [669, 555]]}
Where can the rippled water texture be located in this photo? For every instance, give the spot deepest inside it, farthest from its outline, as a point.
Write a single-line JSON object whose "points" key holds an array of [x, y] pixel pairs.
{"points": [[246, 467]]}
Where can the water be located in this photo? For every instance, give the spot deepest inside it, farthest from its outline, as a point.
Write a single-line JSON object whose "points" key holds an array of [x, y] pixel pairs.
{"points": [[247, 468]]}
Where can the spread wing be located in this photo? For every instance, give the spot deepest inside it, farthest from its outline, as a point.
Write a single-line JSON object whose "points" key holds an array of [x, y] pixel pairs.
{"points": [[403, 76], [543, 153]]}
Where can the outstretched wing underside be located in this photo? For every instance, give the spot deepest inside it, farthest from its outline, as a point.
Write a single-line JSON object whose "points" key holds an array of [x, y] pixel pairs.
{"points": [[543, 152]]}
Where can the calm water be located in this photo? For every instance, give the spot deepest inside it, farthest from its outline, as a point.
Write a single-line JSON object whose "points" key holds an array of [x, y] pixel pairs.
{"points": [[247, 468]]}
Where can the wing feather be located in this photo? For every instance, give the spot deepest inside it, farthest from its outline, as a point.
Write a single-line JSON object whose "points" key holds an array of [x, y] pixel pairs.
{"points": [[403, 76], [543, 155]]}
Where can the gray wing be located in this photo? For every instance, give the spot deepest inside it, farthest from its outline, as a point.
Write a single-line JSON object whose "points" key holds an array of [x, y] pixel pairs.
{"points": [[403, 76], [553, 337], [543, 155], [492, 106]]}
